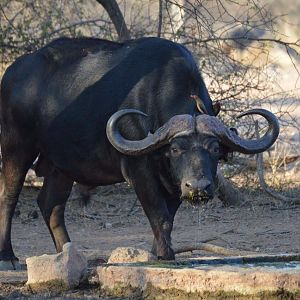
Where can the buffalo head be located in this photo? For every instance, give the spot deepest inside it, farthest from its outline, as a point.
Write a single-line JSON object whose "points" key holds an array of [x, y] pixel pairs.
{"points": [[194, 145]]}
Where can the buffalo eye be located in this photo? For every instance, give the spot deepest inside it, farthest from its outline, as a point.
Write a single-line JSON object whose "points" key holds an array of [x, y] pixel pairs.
{"points": [[174, 150], [214, 149]]}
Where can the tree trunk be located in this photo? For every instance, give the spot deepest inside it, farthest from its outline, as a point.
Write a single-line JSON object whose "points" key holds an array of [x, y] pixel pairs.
{"points": [[227, 193], [116, 16]]}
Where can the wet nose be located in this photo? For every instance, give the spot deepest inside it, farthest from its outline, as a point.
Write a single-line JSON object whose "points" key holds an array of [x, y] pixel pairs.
{"points": [[198, 185]]}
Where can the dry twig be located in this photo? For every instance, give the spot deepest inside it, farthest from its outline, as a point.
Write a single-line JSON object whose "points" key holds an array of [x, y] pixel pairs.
{"points": [[214, 249], [262, 182]]}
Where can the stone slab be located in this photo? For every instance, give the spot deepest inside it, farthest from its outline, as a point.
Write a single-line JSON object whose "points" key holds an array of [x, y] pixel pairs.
{"points": [[205, 280]]}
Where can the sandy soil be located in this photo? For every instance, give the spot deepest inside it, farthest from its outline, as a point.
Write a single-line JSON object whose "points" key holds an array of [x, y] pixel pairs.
{"points": [[113, 219]]}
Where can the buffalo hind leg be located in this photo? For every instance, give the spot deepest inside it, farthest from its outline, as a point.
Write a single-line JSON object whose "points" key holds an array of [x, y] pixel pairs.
{"points": [[16, 160], [52, 201]]}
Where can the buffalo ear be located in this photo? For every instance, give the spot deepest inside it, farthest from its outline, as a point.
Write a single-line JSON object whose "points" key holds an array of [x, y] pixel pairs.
{"points": [[226, 152], [234, 130], [216, 107], [162, 152]]}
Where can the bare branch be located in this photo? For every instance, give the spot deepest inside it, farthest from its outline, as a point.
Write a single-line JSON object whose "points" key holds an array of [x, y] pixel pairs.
{"points": [[160, 17], [291, 59], [235, 39], [263, 184], [76, 24]]}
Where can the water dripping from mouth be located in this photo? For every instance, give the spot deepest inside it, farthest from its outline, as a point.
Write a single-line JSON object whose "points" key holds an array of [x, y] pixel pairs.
{"points": [[201, 211]]}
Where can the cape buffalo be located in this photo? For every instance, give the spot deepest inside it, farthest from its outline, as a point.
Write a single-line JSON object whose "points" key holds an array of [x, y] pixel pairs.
{"points": [[55, 106]]}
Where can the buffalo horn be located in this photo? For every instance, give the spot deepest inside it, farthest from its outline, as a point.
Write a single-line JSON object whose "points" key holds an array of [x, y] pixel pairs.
{"points": [[212, 126], [177, 125]]}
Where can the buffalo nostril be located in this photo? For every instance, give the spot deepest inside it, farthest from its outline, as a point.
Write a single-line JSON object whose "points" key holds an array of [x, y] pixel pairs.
{"points": [[207, 189], [207, 186], [188, 184]]}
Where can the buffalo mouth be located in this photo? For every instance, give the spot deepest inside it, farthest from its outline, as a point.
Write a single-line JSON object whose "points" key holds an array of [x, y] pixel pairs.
{"points": [[197, 198]]}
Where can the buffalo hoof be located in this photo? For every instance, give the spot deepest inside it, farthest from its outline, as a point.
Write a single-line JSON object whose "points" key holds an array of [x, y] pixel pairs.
{"points": [[167, 255], [9, 265]]}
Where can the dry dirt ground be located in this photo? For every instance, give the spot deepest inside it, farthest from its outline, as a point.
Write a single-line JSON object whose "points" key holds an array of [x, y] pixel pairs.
{"points": [[114, 219]]}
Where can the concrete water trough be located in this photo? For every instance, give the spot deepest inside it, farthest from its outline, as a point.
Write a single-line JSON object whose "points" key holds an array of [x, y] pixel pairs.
{"points": [[247, 277]]}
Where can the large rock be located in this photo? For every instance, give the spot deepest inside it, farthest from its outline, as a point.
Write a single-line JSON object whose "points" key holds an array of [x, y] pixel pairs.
{"points": [[130, 255], [68, 268]]}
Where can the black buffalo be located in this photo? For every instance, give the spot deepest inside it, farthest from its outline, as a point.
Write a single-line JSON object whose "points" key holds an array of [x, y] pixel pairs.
{"points": [[55, 106]]}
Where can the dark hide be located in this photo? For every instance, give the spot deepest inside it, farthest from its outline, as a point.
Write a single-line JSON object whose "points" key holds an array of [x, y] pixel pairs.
{"points": [[55, 104]]}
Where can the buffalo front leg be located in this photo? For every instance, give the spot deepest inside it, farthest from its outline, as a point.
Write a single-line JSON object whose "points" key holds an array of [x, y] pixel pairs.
{"points": [[173, 204], [161, 224], [52, 201], [152, 198]]}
